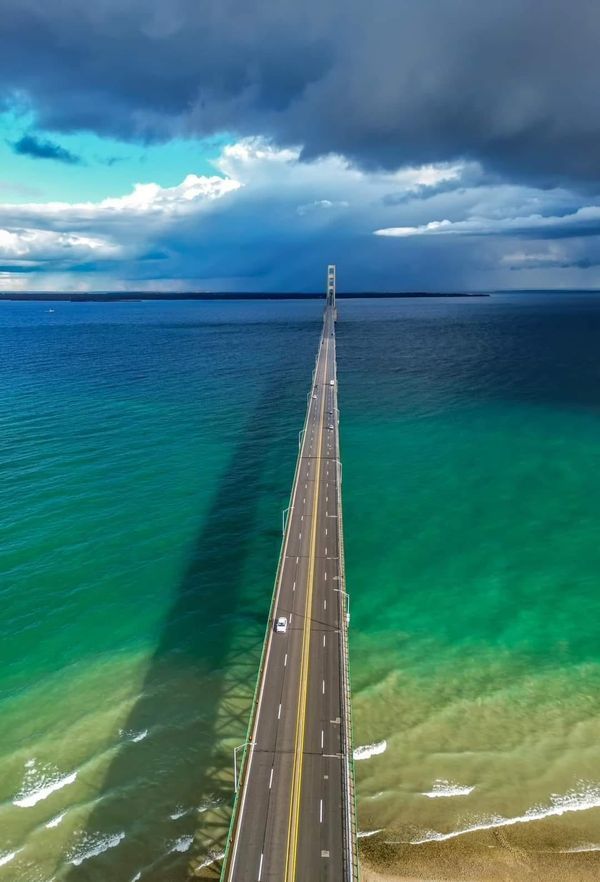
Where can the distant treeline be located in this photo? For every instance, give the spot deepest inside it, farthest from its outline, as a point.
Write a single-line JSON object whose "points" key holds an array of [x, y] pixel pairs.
{"points": [[106, 297]]}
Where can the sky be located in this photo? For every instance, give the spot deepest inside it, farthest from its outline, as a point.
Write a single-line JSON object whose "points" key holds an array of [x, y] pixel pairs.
{"points": [[232, 145]]}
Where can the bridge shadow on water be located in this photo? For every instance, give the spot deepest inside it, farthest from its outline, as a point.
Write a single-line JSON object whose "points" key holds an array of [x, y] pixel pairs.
{"points": [[171, 792]]}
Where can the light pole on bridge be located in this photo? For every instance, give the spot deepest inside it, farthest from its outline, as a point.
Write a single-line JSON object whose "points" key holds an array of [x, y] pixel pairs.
{"points": [[235, 771], [342, 591]]}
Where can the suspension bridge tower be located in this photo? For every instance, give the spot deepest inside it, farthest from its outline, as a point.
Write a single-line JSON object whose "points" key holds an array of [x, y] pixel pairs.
{"points": [[331, 288]]}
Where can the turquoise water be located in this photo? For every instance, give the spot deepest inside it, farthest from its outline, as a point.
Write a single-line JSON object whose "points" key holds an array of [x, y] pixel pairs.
{"points": [[147, 452], [471, 443]]}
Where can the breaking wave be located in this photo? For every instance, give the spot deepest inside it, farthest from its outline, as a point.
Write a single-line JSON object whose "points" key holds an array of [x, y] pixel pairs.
{"points": [[211, 858], [55, 821], [7, 857], [182, 844], [179, 813], [132, 735], [442, 788], [39, 784], [369, 750], [211, 802], [574, 801], [95, 845]]}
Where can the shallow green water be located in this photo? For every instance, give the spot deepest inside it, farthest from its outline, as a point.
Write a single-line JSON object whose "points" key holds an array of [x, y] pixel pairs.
{"points": [[471, 446], [147, 452]]}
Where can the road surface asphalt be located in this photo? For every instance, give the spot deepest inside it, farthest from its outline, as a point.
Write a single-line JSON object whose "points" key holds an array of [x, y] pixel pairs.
{"points": [[289, 824]]}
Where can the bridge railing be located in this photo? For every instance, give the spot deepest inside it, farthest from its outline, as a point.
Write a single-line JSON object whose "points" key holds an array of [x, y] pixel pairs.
{"points": [[350, 827], [249, 746]]}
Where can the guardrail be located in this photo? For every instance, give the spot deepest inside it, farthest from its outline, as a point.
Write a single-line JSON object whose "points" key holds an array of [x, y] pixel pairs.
{"points": [[350, 837], [349, 803], [261, 670]]}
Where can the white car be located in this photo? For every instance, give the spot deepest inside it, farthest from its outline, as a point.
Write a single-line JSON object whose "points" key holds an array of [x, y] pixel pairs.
{"points": [[281, 625]]}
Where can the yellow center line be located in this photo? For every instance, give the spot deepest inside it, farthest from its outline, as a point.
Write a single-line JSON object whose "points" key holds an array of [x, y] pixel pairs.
{"points": [[294, 819]]}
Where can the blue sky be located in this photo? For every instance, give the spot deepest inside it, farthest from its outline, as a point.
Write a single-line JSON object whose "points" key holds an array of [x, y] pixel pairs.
{"points": [[160, 145], [105, 166]]}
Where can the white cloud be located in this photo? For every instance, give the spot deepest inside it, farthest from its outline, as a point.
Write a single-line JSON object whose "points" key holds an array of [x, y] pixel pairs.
{"points": [[428, 175], [431, 227], [149, 198], [584, 218], [251, 150], [229, 230], [113, 228], [320, 205], [37, 244], [193, 190]]}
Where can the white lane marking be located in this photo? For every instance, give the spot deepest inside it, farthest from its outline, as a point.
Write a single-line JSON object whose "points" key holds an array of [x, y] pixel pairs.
{"points": [[326, 531], [291, 614], [323, 687], [259, 703], [325, 551], [327, 499], [271, 775], [323, 639], [279, 713], [325, 576], [300, 537], [320, 813], [304, 500], [285, 661], [260, 867], [322, 738], [301, 517], [294, 587]]}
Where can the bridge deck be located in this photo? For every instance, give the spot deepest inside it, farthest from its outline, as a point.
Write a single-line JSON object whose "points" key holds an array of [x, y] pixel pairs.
{"points": [[294, 815]]}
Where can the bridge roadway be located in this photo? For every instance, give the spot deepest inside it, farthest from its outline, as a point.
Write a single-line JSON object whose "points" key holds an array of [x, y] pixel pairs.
{"points": [[293, 818]]}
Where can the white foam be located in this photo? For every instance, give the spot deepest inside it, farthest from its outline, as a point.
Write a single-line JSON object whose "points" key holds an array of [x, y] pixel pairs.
{"points": [[132, 735], [182, 844], [9, 856], [560, 804], [211, 859], [137, 876], [442, 788], [179, 813], [39, 785], [369, 750], [97, 845], [364, 834], [211, 802], [55, 821]]}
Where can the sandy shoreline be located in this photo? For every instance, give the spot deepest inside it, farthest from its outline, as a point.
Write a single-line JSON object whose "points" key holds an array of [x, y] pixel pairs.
{"points": [[569, 868], [491, 856]]}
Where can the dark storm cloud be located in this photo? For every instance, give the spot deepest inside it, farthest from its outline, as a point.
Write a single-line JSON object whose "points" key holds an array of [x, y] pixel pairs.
{"points": [[42, 148], [512, 83]]}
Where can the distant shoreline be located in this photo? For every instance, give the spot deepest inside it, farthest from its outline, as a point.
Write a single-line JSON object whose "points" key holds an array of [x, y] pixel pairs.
{"points": [[100, 297]]}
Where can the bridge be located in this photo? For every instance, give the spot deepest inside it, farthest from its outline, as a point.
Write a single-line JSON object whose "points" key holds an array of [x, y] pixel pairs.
{"points": [[294, 813]]}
